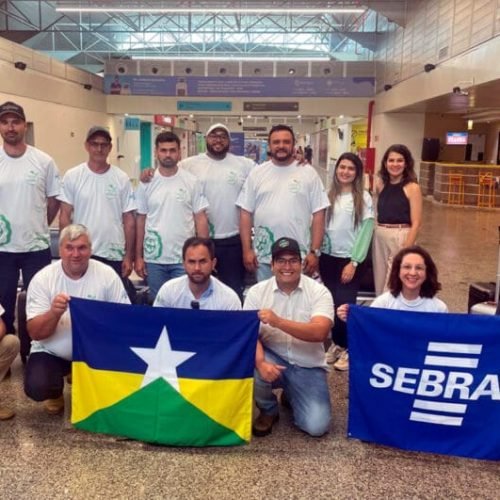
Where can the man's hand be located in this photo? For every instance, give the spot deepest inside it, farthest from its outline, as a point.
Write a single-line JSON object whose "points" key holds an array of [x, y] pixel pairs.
{"points": [[127, 266], [250, 260], [310, 265], [59, 305], [268, 317], [147, 175], [343, 312], [269, 371], [140, 267]]}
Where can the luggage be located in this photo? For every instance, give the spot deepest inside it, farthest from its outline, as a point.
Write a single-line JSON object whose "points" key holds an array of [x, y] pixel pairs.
{"points": [[490, 305]]}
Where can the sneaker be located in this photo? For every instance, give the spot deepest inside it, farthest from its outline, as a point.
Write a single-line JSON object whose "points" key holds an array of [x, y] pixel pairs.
{"points": [[263, 424], [6, 413], [342, 364], [54, 406], [333, 353]]}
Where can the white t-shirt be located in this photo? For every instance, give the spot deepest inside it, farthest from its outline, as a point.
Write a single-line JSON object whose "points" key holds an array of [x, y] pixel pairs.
{"points": [[99, 202], [282, 201], [221, 182], [421, 304], [25, 184], [217, 297], [2, 310], [341, 233], [169, 204], [309, 299], [100, 282]]}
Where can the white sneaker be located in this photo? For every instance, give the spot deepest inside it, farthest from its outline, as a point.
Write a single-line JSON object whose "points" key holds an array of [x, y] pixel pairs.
{"points": [[333, 353], [342, 364]]}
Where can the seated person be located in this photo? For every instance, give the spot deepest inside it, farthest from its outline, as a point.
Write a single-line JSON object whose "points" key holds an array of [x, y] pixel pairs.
{"points": [[49, 320], [413, 285], [9, 349], [198, 289], [296, 315]]}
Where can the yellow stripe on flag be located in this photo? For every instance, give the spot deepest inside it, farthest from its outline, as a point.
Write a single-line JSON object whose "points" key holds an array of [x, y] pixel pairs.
{"points": [[228, 402]]}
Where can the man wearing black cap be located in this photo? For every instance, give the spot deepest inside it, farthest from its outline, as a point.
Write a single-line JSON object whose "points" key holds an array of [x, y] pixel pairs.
{"points": [[100, 196], [29, 185], [296, 315]]}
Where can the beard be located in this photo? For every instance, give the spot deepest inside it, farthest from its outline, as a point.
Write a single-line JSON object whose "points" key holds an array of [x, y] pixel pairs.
{"points": [[219, 153], [168, 163]]}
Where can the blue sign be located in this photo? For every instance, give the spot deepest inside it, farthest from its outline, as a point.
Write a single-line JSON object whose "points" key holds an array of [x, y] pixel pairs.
{"points": [[237, 143], [425, 381], [240, 87], [132, 123], [204, 106]]}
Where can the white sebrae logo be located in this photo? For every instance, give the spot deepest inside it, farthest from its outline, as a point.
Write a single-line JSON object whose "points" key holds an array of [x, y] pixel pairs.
{"points": [[434, 383]]}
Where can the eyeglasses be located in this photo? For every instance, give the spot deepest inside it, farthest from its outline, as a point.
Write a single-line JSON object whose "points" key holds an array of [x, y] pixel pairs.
{"points": [[218, 137], [195, 304], [99, 145], [283, 262]]}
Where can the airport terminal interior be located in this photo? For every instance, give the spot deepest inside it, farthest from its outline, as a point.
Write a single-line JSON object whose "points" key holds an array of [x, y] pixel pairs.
{"points": [[346, 76]]}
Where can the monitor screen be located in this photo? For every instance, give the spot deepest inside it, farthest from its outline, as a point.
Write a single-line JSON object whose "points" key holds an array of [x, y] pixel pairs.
{"points": [[457, 138]]}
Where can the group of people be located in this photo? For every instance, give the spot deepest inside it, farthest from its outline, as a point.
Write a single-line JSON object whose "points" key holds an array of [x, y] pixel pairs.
{"points": [[192, 229]]}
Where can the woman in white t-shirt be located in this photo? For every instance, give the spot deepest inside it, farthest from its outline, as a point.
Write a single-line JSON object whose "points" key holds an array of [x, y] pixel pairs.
{"points": [[348, 234], [413, 285]]}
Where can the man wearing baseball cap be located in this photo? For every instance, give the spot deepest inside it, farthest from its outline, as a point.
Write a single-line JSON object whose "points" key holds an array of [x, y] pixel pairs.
{"points": [[222, 175], [296, 315], [100, 196], [29, 185]]}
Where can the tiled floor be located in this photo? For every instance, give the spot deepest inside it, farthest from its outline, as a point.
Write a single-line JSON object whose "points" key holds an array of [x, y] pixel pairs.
{"points": [[43, 457]]}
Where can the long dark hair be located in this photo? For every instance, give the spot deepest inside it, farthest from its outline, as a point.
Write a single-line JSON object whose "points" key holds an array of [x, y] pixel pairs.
{"points": [[429, 287], [408, 173], [357, 187]]}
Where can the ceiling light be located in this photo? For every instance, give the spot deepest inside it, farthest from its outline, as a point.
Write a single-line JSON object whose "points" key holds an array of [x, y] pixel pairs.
{"points": [[291, 71], [20, 65], [213, 10]]}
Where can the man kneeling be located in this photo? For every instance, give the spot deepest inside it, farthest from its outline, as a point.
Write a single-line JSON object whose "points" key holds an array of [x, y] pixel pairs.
{"points": [[296, 315], [49, 321]]}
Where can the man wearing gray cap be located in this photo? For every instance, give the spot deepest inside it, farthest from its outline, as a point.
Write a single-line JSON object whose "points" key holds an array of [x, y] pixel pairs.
{"points": [[222, 175], [100, 196], [29, 185]]}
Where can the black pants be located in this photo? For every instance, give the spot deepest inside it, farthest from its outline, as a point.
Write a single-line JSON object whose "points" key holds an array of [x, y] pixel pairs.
{"points": [[44, 376], [330, 269], [230, 269], [117, 266]]}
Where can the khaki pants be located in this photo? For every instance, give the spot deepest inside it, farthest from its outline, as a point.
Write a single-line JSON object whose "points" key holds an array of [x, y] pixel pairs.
{"points": [[9, 349], [387, 242]]}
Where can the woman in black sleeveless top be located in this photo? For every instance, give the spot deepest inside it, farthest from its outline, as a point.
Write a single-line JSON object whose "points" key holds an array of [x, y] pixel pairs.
{"points": [[399, 211]]}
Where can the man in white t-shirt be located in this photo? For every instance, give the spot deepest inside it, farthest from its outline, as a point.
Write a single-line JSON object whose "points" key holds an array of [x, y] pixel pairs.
{"points": [[100, 196], [281, 198], [198, 289], [49, 320], [222, 175], [29, 185], [9, 349], [170, 208], [296, 315]]}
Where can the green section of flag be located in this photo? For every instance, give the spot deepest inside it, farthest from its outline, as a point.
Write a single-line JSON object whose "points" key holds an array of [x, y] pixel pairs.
{"points": [[157, 413]]}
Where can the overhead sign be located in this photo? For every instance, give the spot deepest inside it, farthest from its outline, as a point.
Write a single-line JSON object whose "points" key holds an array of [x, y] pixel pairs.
{"points": [[164, 120], [204, 106], [196, 86], [132, 123], [270, 106]]}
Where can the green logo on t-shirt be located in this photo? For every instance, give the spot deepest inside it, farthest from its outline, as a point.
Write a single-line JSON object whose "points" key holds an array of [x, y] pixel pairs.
{"points": [[153, 247], [111, 191], [326, 247], [115, 251], [232, 177], [263, 241], [32, 177], [40, 242], [211, 230], [5, 230]]}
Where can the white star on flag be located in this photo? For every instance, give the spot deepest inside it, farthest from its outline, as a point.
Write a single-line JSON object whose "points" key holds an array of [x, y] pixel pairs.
{"points": [[162, 361]]}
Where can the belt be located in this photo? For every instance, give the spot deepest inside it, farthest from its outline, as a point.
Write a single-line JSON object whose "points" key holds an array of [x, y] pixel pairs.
{"points": [[394, 226]]}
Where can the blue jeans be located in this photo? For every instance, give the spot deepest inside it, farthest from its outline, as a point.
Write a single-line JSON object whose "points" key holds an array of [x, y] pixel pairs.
{"points": [[305, 388], [264, 272], [44, 376], [161, 273]]}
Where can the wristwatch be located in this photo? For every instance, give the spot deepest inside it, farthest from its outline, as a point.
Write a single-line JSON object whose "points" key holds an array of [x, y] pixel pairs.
{"points": [[315, 251], [354, 264]]}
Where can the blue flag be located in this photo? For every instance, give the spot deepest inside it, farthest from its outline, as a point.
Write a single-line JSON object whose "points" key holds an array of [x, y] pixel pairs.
{"points": [[425, 381], [172, 376]]}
